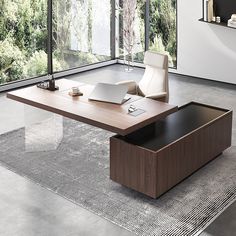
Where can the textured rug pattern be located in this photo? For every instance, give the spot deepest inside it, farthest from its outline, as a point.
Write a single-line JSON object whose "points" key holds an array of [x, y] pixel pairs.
{"points": [[79, 171]]}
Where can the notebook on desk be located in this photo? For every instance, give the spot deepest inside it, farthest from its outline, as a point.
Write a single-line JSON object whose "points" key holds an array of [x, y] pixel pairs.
{"points": [[111, 93]]}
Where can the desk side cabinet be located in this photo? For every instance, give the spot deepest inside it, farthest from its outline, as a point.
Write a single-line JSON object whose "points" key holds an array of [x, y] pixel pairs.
{"points": [[157, 157]]}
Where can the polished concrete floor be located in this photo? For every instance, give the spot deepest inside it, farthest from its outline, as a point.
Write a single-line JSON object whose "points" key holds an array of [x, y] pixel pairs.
{"points": [[224, 225], [27, 209]]}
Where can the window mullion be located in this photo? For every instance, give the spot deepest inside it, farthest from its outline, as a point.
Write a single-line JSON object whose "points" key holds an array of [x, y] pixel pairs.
{"points": [[147, 24]]}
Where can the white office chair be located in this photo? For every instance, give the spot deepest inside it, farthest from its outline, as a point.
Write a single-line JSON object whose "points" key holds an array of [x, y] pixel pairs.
{"points": [[154, 83]]}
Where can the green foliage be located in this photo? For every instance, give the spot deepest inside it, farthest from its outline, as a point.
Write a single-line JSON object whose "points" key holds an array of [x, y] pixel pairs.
{"points": [[138, 57], [67, 26], [11, 61], [87, 58], [163, 27], [23, 31], [62, 18], [78, 58], [38, 64], [25, 22], [158, 46], [23, 35]]}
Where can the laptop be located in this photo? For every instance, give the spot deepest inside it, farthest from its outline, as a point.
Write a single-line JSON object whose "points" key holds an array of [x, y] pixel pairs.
{"points": [[111, 93]]}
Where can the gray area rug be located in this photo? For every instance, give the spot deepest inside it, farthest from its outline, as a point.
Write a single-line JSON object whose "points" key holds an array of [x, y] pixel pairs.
{"points": [[79, 171]]}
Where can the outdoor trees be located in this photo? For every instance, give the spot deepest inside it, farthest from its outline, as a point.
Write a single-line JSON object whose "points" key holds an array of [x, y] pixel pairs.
{"points": [[161, 25], [81, 33], [72, 33], [62, 21], [162, 35], [23, 36], [23, 30], [11, 61]]}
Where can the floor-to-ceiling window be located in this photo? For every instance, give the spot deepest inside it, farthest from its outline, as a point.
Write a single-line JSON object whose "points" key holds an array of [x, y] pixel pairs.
{"points": [[162, 28], [131, 16], [151, 25], [23, 39], [81, 33]]}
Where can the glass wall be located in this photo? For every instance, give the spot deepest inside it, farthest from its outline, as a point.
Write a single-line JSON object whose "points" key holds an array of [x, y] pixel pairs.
{"points": [[81, 33], [23, 39], [131, 29], [152, 26], [81, 36], [162, 29]]}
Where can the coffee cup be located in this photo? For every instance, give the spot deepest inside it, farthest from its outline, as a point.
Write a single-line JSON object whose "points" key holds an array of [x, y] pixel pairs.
{"points": [[75, 90]]}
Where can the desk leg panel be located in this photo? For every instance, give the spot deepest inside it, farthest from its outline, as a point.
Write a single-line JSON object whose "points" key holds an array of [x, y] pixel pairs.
{"points": [[133, 167]]}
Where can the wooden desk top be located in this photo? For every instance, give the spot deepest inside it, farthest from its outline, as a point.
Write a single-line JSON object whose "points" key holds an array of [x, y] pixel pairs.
{"points": [[111, 117]]}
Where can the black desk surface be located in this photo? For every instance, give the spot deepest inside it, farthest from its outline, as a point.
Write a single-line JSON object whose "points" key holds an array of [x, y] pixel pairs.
{"points": [[176, 125]]}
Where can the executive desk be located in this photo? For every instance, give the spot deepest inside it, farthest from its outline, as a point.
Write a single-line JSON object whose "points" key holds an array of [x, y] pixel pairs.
{"points": [[111, 117], [153, 151]]}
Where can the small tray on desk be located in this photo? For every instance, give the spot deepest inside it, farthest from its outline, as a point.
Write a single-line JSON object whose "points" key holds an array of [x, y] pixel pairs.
{"points": [[137, 112], [75, 94]]}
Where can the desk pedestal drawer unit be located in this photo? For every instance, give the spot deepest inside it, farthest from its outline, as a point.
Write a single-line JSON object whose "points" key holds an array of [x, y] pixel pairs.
{"points": [[155, 158]]}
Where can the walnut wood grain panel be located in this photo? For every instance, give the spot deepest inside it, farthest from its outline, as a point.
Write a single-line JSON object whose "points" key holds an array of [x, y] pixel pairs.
{"points": [[133, 167], [182, 158], [111, 117]]}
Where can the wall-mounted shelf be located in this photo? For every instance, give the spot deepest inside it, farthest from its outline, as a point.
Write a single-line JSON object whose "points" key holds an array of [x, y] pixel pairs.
{"points": [[219, 24], [222, 8]]}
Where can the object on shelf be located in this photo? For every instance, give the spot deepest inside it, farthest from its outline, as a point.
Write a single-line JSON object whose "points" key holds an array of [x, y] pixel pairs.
{"points": [[205, 17], [226, 10], [232, 23], [222, 24], [210, 10], [218, 19], [233, 17]]}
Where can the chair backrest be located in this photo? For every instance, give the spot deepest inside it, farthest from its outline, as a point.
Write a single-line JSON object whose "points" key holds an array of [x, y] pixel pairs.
{"points": [[155, 78]]}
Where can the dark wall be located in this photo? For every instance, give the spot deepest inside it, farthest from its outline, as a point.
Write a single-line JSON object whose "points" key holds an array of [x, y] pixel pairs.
{"points": [[224, 9]]}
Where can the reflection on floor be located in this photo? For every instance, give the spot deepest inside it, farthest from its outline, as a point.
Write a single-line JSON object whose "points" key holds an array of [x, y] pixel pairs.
{"points": [[28, 209]]}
